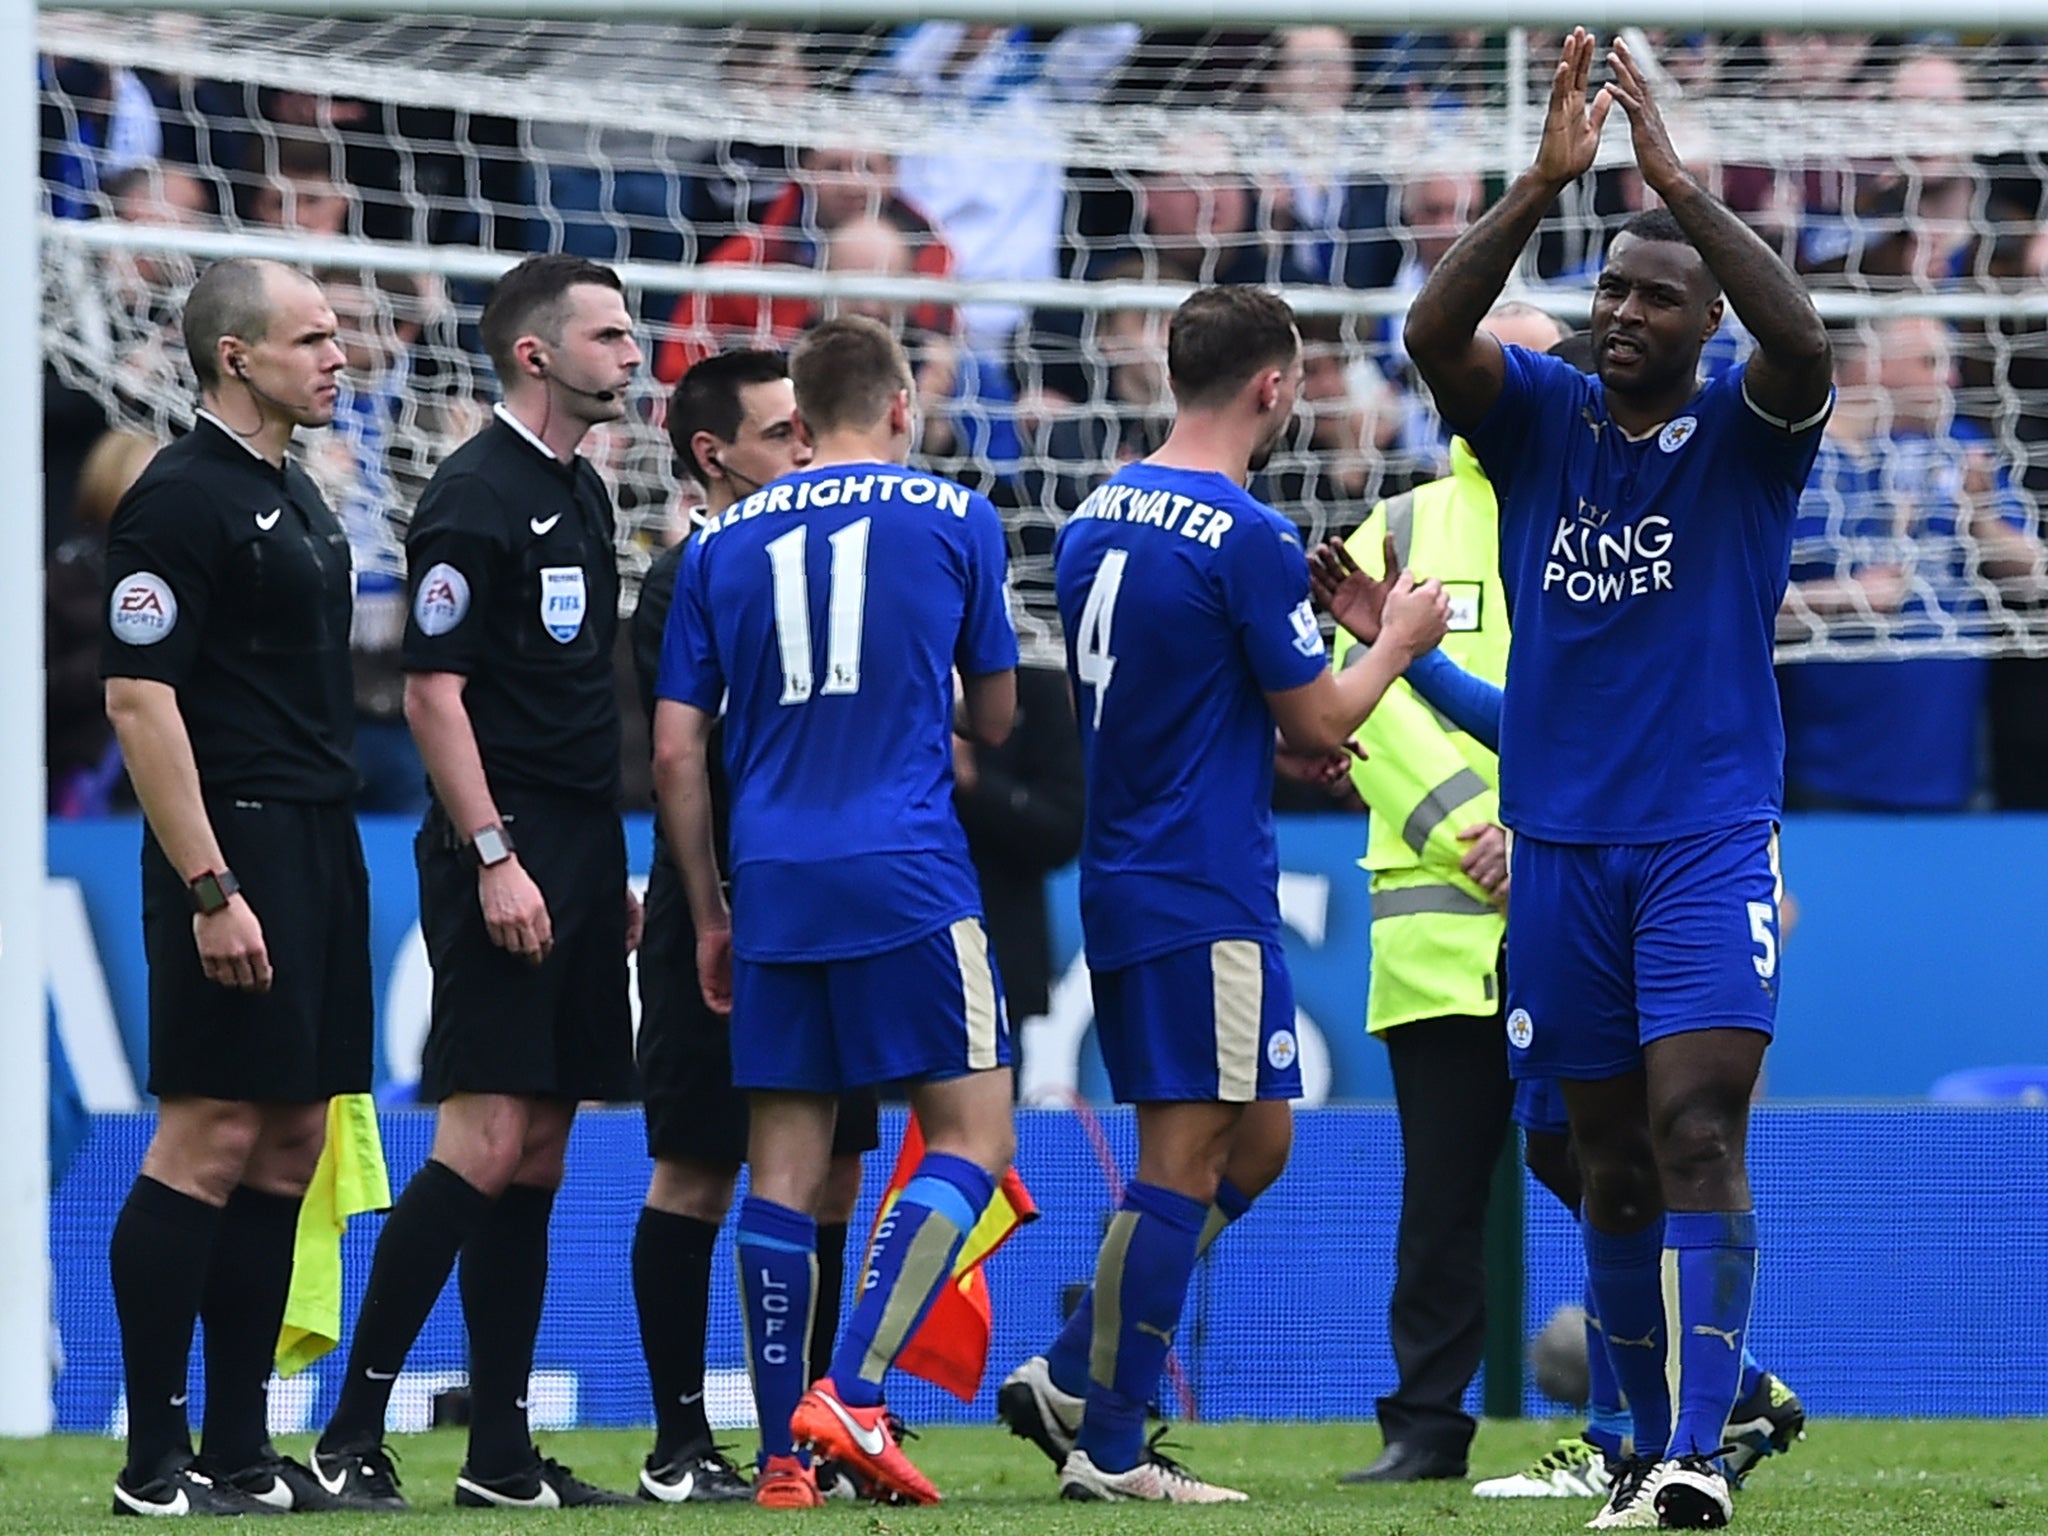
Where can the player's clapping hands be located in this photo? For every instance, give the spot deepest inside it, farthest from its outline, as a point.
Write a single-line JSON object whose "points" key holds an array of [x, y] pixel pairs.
{"points": [[1413, 616], [1655, 157], [1417, 615], [1571, 126], [1344, 591]]}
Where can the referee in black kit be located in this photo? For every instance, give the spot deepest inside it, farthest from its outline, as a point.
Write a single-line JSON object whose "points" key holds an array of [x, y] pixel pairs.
{"points": [[522, 870], [228, 683], [733, 423]]}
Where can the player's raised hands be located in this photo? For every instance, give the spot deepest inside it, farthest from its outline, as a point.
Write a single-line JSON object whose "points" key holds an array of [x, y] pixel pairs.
{"points": [[1417, 615], [1655, 156], [1571, 127], [1345, 592]]}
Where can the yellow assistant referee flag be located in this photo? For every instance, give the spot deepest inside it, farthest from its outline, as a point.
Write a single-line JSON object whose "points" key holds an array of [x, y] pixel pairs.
{"points": [[349, 1180]]}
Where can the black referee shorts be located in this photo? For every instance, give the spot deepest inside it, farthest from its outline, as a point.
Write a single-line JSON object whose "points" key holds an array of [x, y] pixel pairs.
{"points": [[563, 1028], [693, 1111], [307, 1038]]}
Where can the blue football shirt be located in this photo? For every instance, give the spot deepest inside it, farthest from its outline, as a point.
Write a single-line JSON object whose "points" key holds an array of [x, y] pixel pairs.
{"points": [[827, 613], [1644, 577], [1185, 601]]}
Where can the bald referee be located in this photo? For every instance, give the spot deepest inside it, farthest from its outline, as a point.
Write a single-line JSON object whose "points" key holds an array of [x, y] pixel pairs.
{"points": [[522, 870], [228, 683]]}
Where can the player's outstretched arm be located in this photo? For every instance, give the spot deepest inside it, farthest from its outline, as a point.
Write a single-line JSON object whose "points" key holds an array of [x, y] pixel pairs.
{"points": [[1463, 365], [1789, 377], [1320, 716]]}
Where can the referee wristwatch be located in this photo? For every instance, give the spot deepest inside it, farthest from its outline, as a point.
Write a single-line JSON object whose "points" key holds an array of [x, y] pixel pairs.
{"points": [[212, 890], [490, 845]]}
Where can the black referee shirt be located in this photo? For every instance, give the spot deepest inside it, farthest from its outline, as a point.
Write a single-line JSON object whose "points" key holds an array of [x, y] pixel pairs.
{"points": [[650, 625], [514, 583], [230, 580]]}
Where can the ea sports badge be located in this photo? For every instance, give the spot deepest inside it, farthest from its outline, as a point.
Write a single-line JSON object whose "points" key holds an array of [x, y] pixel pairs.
{"points": [[562, 601], [442, 600], [1521, 1029], [143, 609]]}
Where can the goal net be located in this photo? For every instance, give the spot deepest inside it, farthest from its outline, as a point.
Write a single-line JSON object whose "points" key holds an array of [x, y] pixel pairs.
{"points": [[1027, 205]]}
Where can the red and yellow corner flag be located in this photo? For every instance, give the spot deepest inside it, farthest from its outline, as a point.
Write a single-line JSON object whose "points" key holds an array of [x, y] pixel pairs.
{"points": [[950, 1347]]}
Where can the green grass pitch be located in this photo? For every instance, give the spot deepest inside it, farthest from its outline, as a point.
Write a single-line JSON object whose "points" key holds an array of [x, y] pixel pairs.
{"points": [[1937, 1478]]}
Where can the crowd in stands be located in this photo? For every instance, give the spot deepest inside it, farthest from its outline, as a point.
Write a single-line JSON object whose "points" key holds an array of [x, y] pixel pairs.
{"points": [[1922, 511]]}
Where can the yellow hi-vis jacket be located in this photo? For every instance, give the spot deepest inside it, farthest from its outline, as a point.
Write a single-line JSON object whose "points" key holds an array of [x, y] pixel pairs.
{"points": [[1435, 935]]}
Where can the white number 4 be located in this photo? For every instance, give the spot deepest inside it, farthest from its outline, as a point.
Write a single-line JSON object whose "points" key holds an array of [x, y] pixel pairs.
{"points": [[1763, 918], [845, 607], [1092, 659]]}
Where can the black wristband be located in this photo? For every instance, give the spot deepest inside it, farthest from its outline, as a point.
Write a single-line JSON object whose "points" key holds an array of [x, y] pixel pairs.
{"points": [[212, 890]]}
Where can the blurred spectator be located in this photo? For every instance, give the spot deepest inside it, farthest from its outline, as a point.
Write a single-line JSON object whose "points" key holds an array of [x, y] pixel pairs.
{"points": [[1430, 213], [952, 384], [1126, 405], [1001, 214], [610, 193], [293, 182], [84, 763], [767, 73], [833, 186], [1336, 231], [1346, 416], [1193, 222], [381, 316], [123, 312], [1020, 805], [1904, 517], [96, 123]]}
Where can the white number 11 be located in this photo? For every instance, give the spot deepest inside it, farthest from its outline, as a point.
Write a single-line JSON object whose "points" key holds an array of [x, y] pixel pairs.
{"points": [[845, 609]]}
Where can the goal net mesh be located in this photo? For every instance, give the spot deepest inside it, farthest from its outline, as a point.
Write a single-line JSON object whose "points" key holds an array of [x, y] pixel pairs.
{"points": [[1026, 205]]}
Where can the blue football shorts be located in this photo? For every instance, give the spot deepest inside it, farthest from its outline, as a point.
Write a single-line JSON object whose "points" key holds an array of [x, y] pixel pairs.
{"points": [[1611, 946], [1539, 1107], [1211, 1024], [929, 1010]]}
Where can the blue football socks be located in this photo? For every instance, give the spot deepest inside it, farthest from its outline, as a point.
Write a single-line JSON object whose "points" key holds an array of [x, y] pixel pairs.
{"points": [[1141, 1283], [778, 1259], [1607, 1423], [1067, 1361], [912, 1257], [1709, 1279], [1625, 1273]]}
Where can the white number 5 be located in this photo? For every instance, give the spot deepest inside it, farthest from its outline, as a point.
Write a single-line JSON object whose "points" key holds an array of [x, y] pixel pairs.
{"points": [[1763, 918]]}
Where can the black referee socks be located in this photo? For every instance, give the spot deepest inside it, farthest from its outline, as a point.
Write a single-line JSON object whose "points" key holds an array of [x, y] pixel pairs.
{"points": [[158, 1262], [825, 1300], [242, 1310], [504, 1282], [672, 1292], [415, 1252]]}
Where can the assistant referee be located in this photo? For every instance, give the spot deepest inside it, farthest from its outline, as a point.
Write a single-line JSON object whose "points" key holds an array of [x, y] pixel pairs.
{"points": [[522, 871], [228, 683]]}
